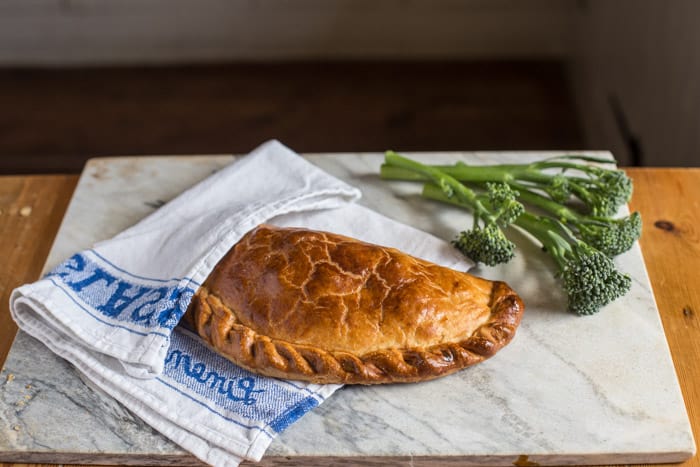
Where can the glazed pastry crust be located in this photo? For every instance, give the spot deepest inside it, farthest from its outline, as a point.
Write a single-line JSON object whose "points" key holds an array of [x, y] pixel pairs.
{"points": [[320, 307]]}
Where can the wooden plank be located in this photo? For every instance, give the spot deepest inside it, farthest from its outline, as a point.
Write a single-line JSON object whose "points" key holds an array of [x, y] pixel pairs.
{"points": [[31, 210], [669, 201]]}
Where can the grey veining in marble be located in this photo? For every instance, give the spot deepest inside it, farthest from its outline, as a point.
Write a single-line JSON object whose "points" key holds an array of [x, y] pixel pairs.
{"points": [[567, 390]]}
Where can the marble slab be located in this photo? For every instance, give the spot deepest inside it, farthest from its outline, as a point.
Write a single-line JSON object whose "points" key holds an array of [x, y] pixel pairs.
{"points": [[567, 390]]}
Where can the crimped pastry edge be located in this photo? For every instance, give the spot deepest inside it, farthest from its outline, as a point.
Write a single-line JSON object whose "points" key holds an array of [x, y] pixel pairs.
{"points": [[217, 324]]}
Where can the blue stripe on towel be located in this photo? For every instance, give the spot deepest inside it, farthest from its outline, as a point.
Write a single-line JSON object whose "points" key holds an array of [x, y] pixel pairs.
{"points": [[293, 414], [144, 303], [193, 368], [215, 412], [87, 310]]}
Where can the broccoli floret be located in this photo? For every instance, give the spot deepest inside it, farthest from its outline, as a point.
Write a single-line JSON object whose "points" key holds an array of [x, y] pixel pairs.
{"points": [[612, 236], [603, 192], [589, 277], [485, 242], [558, 189], [487, 245], [502, 200]]}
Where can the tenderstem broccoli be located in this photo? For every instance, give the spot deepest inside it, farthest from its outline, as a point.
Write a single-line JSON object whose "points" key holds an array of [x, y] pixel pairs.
{"points": [[588, 276], [612, 236], [601, 190], [485, 242], [581, 244]]}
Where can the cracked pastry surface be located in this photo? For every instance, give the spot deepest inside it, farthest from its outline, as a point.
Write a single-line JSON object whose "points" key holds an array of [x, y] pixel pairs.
{"points": [[321, 307]]}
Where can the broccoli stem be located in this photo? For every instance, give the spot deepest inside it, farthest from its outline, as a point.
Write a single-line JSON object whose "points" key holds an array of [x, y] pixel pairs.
{"points": [[446, 183], [507, 173], [434, 192], [497, 172], [601, 190], [485, 242], [547, 204], [524, 194], [547, 234], [609, 235], [538, 227], [526, 220], [561, 212], [392, 172]]}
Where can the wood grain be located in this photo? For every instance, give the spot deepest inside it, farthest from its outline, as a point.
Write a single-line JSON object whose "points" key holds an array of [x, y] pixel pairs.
{"points": [[668, 199], [31, 210]]}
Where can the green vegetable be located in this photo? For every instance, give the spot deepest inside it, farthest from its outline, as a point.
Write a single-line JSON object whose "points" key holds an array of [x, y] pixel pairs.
{"points": [[581, 244], [601, 190], [589, 277], [485, 242], [609, 235]]}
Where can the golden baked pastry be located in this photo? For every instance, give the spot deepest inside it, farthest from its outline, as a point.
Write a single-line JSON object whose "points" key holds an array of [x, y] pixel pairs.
{"points": [[321, 307]]}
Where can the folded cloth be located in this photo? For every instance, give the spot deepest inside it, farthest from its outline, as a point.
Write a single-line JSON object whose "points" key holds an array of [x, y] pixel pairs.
{"points": [[112, 310]]}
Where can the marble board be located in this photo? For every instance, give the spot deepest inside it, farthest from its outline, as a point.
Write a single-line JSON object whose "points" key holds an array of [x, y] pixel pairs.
{"points": [[567, 390]]}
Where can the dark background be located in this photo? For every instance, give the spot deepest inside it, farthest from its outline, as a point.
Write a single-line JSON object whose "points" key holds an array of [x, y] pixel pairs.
{"points": [[82, 79], [53, 120]]}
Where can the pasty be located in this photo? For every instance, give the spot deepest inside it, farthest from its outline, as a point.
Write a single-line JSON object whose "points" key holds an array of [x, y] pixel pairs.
{"points": [[316, 306]]}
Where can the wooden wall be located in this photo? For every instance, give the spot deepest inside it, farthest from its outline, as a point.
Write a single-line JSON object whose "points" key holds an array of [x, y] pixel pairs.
{"points": [[87, 32]]}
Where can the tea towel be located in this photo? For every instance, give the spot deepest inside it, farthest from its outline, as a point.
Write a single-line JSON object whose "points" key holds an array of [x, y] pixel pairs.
{"points": [[112, 311]]}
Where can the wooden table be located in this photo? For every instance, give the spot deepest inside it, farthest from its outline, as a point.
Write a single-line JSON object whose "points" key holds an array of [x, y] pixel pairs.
{"points": [[31, 209]]}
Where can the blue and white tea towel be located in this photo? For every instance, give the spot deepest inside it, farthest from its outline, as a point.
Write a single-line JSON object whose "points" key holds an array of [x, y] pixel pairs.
{"points": [[112, 310]]}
